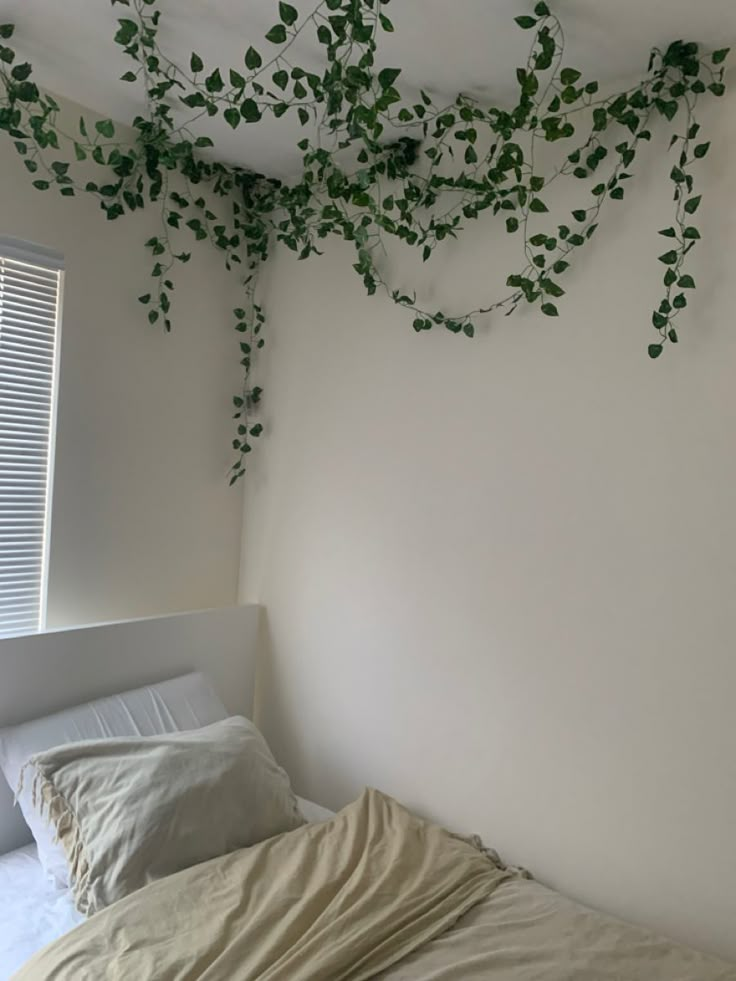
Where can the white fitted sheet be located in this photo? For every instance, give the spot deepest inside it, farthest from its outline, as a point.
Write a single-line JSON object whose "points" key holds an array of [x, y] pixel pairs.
{"points": [[33, 912]]}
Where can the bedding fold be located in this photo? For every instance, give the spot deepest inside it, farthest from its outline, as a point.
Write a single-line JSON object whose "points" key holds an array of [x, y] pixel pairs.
{"points": [[343, 899]]}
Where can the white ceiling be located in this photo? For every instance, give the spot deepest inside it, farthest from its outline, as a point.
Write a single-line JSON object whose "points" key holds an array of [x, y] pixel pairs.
{"points": [[444, 46]]}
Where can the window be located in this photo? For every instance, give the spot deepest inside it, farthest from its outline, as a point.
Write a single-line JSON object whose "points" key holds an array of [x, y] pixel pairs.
{"points": [[30, 296]]}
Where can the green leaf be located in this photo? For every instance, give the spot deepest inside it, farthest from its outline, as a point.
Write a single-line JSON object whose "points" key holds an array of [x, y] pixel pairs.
{"points": [[6, 31], [560, 266], [669, 277], [568, 76], [677, 175], [288, 14], [669, 258], [617, 193], [680, 301], [195, 101], [41, 185], [701, 149], [686, 282], [692, 205], [538, 206], [659, 321], [277, 34], [127, 31], [717, 88], [232, 116], [471, 156], [129, 77], [525, 22], [28, 92], [253, 60], [106, 128], [668, 232], [541, 9], [249, 111], [236, 79], [550, 287], [512, 224], [146, 298], [579, 215], [672, 334], [691, 232], [281, 79], [654, 350], [21, 72], [667, 108], [720, 56], [387, 77], [195, 63], [214, 83], [550, 310]]}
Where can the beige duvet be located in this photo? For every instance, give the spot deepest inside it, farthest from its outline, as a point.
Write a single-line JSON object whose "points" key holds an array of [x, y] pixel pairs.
{"points": [[374, 892]]}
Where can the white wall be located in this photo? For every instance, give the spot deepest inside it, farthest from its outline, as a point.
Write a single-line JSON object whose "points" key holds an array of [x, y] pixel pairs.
{"points": [[143, 520], [500, 574]]}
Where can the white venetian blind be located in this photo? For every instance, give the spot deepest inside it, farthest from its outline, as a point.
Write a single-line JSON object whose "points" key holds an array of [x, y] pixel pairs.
{"points": [[30, 285]]}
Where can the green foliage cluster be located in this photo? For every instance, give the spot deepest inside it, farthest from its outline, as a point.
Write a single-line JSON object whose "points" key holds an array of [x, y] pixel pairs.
{"points": [[374, 163]]}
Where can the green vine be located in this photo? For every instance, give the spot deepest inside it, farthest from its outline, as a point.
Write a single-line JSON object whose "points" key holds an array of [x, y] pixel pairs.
{"points": [[375, 164]]}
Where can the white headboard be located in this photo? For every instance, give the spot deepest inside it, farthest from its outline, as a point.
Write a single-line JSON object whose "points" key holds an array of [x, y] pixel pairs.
{"points": [[44, 673]]}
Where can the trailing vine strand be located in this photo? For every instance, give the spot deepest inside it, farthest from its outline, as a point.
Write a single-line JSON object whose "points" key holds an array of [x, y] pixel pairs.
{"points": [[375, 164]]}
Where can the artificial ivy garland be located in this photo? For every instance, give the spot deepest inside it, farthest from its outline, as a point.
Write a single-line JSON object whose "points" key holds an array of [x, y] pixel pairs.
{"points": [[452, 163]]}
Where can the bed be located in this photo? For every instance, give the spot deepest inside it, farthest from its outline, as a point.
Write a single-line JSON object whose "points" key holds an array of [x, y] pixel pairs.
{"points": [[373, 891]]}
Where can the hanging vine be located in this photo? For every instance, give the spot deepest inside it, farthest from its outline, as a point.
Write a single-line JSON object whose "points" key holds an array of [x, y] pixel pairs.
{"points": [[375, 164]]}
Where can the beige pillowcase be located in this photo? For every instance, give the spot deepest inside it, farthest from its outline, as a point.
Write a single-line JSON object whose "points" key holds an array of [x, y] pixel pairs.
{"points": [[129, 811]]}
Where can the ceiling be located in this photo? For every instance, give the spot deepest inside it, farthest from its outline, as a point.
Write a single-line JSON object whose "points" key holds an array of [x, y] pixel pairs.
{"points": [[445, 46]]}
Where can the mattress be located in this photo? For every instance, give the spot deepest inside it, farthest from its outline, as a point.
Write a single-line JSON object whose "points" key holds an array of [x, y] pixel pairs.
{"points": [[33, 912]]}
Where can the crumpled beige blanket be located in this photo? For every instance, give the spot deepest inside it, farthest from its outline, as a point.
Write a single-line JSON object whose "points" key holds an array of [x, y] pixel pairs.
{"points": [[339, 900]]}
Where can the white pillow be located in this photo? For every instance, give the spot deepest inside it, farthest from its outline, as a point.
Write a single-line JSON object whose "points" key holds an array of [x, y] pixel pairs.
{"points": [[131, 811], [188, 702]]}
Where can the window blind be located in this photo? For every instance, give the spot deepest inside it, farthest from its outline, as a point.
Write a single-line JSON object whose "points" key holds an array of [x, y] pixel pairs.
{"points": [[30, 290]]}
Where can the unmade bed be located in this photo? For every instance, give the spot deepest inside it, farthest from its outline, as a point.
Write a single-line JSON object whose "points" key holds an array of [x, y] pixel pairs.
{"points": [[260, 885], [372, 893]]}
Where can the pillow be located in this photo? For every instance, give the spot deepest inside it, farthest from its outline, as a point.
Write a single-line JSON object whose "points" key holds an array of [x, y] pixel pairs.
{"points": [[130, 811], [187, 702]]}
